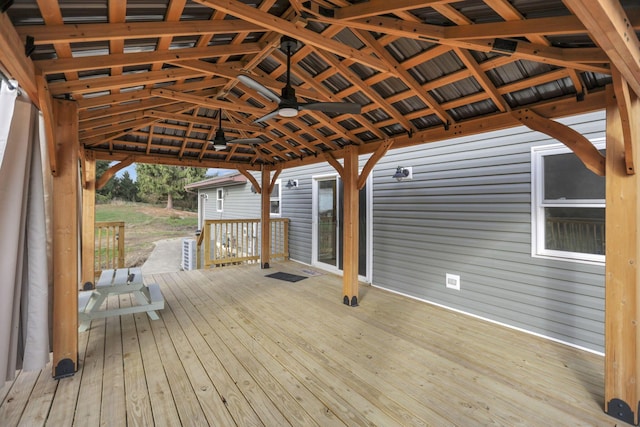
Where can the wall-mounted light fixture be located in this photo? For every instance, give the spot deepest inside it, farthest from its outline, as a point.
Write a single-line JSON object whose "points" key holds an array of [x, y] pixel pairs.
{"points": [[292, 183], [403, 174], [204, 196]]}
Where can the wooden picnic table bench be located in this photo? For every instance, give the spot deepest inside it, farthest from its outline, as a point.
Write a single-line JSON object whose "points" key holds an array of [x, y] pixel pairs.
{"points": [[115, 282]]}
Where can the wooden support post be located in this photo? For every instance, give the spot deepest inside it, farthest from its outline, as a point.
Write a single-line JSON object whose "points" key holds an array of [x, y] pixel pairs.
{"points": [[89, 221], [265, 216], [622, 306], [350, 227], [65, 241]]}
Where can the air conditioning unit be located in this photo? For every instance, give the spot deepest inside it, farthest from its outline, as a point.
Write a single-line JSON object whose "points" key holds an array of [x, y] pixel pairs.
{"points": [[188, 254]]}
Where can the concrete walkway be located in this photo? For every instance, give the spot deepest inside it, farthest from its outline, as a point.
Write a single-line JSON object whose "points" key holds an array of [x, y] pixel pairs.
{"points": [[165, 258]]}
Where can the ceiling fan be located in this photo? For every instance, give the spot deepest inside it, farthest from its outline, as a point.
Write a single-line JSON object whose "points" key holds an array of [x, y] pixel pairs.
{"points": [[288, 105], [220, 141]]}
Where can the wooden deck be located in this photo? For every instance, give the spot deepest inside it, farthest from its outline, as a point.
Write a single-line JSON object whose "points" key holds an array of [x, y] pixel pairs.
{"points": [[235, 348]]}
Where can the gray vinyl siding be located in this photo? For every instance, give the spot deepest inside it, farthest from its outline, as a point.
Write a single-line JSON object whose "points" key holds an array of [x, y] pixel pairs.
{"points": [[239, 202], [467, 211]]}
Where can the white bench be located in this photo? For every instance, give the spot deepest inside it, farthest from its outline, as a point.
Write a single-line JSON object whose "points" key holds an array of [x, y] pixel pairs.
{"points": [[116, 282]]}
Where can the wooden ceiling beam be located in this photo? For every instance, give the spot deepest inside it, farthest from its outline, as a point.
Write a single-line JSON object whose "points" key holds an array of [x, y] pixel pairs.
{"points": [[97, 62], [382, 7], [625, 105], [112, 111], [84, 33], [115, 155], [406, 78], [582, 59], [576, 142], [379, 101], [610, 27], [52, 15], [226, 124], [279, 25], [109, 135], [14, 61], [205, 101], [100, 84], [556, 108], [231, 71], [482, 79], [188, 132], [109, 173]]}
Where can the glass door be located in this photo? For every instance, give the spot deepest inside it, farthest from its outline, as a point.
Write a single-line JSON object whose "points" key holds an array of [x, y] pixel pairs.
{"points": [[327, 222]]}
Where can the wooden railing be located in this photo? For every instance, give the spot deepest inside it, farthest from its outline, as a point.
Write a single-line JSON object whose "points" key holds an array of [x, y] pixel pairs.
{"points": [[109, 246], [576, 235], [233, 241]]}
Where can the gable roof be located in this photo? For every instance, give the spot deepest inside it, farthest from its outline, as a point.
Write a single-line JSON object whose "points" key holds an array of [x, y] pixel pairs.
{"points": [[217, 181]]}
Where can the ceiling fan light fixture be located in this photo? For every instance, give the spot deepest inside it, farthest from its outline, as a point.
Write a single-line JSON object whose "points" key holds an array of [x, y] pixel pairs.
{"points": [[219, 145], [288, 112]]}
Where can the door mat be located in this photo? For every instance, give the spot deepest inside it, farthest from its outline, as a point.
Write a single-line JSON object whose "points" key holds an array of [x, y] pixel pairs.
{"points": [[285, 276]]}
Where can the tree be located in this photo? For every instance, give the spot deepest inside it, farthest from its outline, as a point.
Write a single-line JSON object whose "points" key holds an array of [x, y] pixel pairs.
{"points": [[126, 188], [157, 182]]}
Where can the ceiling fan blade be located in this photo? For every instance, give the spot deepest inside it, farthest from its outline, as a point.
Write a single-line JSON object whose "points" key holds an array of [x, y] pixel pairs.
{"points": [[266, 117], [262, 90], [333, 107], [250, 141]]}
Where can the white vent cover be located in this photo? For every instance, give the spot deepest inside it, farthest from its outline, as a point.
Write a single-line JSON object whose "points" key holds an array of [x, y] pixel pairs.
{"points": [[188, 254]]}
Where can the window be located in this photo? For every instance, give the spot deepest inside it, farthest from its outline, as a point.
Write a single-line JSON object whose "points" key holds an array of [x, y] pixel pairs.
{"points": [[568, 206], [274, 200], [219, 199]]}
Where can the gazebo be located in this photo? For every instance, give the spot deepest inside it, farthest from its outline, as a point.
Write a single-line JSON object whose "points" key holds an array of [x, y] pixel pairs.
{"points": [[263, 86]]}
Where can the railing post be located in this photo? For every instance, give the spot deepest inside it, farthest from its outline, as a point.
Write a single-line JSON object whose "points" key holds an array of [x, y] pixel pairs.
{"points": [[285, 225], [207, 243], [121, 246]]}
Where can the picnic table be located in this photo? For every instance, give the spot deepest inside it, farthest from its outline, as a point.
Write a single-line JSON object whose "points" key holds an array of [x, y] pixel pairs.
{"points": [[116, 282]]}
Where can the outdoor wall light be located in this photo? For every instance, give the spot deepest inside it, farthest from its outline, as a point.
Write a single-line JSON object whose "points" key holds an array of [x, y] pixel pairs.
{"points": [[293, 183], [403, 173]]}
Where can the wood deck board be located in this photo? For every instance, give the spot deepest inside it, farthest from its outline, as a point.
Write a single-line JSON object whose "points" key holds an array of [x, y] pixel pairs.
{"points": [[227, 390], [138, 406], [235, 348], [255, 396]]}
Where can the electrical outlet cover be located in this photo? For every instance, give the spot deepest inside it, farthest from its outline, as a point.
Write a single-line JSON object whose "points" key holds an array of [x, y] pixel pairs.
{"points": [[453, 281]]}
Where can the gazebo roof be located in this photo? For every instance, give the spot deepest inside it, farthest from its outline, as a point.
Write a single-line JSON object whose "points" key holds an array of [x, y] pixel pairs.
{"points": [[151, 79]]}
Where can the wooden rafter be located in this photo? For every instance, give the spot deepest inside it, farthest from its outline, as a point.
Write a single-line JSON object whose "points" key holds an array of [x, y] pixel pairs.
{"points": [[109, 173], [624, 100], [83, 33], [581, 146], [610, 27], [52, 66], [281, 26]]}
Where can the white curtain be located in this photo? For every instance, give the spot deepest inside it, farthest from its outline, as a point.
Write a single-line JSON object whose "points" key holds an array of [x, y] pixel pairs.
{"points": [[24, 267]]}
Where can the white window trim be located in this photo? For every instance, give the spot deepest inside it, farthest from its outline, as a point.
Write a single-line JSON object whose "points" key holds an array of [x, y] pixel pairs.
{"points": [[220, 200], [277, 197], [538, 205]]}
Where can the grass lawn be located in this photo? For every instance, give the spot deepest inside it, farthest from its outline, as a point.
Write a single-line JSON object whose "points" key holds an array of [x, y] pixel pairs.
{"points": [[145, 224]]}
